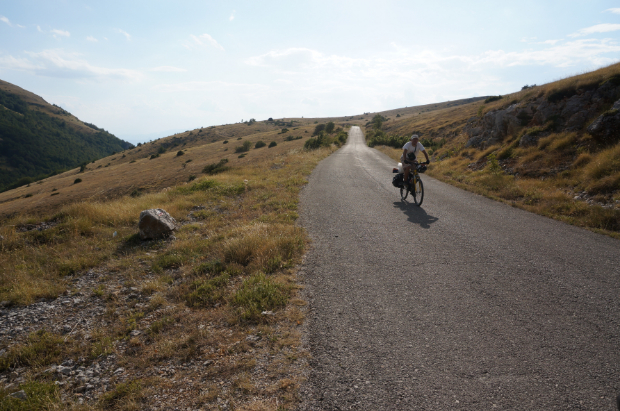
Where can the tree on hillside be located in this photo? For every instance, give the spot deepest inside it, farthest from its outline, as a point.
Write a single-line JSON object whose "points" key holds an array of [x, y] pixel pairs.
{"points": [[318, 129], [329, 128]]}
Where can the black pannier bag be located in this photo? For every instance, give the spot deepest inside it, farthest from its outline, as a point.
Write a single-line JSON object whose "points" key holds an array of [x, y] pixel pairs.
{"points": [[397, 181]]}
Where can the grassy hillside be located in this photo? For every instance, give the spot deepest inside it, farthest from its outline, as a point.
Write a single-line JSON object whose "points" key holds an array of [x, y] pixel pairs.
{"points": [[182, 318], [38, 139], [543, 159], [153, 166]]}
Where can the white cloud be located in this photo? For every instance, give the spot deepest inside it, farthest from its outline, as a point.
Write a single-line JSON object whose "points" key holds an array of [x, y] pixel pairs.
{"points": [[168, 69], [200, 40], [615, 10], [10, 62], [39, 29], [57, 63], [599, 28], [208, 86], [551, 42], [124, 33], [232, 16], [20, 26], [91, 38], [6, 20], [60, 33]]}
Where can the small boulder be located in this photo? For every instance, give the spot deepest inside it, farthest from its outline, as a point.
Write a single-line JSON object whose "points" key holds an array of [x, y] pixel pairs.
{"points": [[528, 140], [156, 223], [606, 127], [20, 395]]}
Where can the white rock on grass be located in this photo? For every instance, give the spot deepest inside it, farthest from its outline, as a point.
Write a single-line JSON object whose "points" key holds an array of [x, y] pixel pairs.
{"points": [[156, 223]]}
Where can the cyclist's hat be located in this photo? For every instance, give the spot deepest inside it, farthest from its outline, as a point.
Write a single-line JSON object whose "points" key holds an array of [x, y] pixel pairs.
{"points": [[415, 136]]}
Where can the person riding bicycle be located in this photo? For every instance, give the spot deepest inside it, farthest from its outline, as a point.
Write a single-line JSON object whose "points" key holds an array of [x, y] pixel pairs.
{"points": [[408, 159]]}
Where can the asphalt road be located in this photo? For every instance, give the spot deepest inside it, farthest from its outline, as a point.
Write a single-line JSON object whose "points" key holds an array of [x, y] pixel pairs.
{"points": [[463, 303]]}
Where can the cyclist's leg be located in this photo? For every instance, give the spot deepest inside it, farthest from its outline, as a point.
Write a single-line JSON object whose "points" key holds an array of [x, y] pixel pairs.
{"points": [[406, 167]]}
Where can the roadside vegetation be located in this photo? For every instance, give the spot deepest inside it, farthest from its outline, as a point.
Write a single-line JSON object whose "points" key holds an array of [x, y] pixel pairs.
{"points": [[219, 301]]}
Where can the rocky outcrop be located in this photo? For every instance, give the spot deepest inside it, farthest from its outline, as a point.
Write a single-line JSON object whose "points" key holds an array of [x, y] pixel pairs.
{"points": [[570, 113], [606, 127], [156, 223]]}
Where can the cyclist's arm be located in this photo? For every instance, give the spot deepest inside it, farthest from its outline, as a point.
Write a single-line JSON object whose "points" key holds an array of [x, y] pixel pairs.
{"points": [[426, 155]]}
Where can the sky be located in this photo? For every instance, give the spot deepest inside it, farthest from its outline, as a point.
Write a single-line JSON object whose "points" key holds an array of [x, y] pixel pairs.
{"points": [[147, 69]]}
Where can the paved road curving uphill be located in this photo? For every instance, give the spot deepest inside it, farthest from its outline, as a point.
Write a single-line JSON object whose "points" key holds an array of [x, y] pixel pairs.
{"points": [[464, 303]]}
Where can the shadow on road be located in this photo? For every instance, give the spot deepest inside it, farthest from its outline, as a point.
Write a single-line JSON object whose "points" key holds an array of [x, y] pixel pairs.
{"points": [[416, 214]]}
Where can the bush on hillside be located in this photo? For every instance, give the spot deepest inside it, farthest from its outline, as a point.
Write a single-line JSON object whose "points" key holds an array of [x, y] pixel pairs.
{"points": [[329, 127], [244, 147], [318, 129], [260, 144], [492, 99], [321, 140], [272, 144], [215, 168]]}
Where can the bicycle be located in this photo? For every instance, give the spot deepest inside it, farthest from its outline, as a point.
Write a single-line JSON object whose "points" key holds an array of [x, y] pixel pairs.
{"points": [[415, 186]]}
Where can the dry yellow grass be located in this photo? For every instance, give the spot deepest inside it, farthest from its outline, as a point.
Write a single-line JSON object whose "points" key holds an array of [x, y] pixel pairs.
{"points": [[230, 258]]}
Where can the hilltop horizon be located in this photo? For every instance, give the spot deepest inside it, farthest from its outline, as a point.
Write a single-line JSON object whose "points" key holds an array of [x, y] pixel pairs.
{"points": [[141, 69]]}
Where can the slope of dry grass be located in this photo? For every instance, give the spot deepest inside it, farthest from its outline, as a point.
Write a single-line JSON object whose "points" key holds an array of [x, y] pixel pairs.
{"points": [[232, 259]]}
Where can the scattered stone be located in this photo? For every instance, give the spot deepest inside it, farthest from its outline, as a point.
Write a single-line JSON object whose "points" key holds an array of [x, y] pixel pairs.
{"points": [[156, 223], [135, 333], [20, 395]]}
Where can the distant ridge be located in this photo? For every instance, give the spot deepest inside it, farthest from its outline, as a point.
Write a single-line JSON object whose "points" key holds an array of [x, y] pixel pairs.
{"points": [[38, 139]]}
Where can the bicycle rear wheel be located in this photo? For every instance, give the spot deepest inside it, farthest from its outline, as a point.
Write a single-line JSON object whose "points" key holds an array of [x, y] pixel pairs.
{"points": [[418, 192]]}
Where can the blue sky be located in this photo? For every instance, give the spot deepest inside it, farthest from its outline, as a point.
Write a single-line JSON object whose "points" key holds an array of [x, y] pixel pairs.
{"points": [[146, 69]]}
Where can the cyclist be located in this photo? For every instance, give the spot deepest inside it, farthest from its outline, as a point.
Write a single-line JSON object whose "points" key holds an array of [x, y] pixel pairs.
{"points": [[409, 155]]}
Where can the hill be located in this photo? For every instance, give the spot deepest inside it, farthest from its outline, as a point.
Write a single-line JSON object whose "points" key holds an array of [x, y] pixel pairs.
{"points": [[156, 165], [38, 139], [552, 149]]}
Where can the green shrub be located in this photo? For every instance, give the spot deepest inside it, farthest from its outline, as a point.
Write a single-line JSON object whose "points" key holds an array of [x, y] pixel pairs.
{"points": [[259, 144], [244, 147], [320, 141], [329, 127], [123, 391], [257, 294], [180, 153], [206, 292], [225, 142], [212, 267], [493, 165], [77, 180], [216, 168], [152, 156], [39, 396], [318, 129], [272, 144], [492, 99]]}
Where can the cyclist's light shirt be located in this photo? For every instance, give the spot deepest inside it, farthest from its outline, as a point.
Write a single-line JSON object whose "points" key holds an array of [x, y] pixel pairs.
{"points": [[411, 149]]}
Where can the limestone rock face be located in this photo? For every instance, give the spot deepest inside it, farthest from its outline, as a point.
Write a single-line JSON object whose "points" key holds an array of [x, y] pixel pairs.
{"points": [[606, 127], [156, 223], [571, 113]]}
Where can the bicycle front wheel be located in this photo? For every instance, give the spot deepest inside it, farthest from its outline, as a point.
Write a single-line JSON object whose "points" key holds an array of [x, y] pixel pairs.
{"points": [[418, 193], [404, 192]]}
